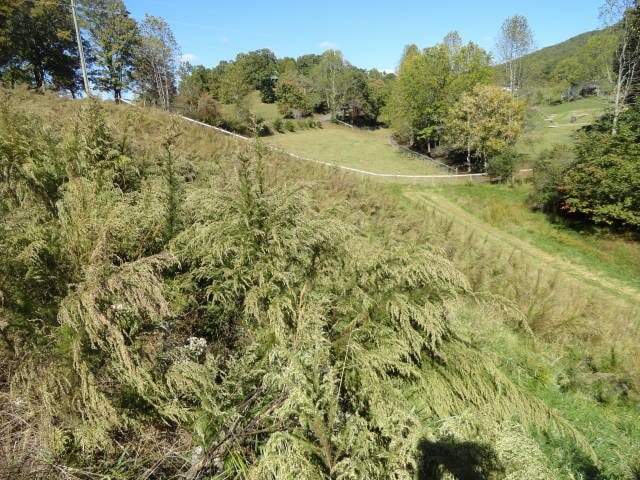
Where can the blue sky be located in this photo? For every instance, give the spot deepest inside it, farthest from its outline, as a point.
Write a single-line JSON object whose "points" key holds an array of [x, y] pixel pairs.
{"points": [[370, 34]]}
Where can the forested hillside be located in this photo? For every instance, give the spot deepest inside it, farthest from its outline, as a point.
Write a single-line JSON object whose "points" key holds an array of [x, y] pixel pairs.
{"points": [[584, 58]]}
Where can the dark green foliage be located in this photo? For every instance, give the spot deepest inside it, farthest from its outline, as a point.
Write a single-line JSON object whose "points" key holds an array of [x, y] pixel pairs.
{"points": [[38, 46], [504, 165], [603, 184], [260, 71], [320, 83], [547, 176], [584, 58], [114, 39]]}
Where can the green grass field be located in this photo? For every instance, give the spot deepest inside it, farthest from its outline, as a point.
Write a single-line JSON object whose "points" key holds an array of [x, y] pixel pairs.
{"points": [[361, 149], [505, 208], [549, 125]]}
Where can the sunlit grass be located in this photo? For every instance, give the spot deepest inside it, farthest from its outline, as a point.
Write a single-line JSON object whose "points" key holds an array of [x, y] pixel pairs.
{"points": [[361, 149], [506, 207], [555, 124]]}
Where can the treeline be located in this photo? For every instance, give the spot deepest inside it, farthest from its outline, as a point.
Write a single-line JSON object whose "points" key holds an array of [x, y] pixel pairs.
{"points": [[325, 83], [433, 100], [39, 48], [598, 181], [446, 96], [428, 103]]}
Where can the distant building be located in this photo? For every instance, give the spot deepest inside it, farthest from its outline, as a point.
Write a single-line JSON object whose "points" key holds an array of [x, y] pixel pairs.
{"points": [[580, 90]]}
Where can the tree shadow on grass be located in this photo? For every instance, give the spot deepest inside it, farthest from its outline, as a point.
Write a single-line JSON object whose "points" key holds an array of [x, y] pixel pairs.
{"points": [[463, 460]]}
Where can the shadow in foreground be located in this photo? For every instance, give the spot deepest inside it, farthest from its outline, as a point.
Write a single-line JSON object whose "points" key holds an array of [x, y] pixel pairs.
{"points": [[463, 460]]}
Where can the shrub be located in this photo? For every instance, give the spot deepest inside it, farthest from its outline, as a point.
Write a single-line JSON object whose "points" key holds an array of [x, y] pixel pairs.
{"points": [[504, 165], [208, 110], [289, 126], [547, 174], [278, 125], [603, 183]]}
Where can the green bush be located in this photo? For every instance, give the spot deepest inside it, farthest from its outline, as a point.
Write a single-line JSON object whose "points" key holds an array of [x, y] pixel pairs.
{"points": [[547, 175], [289, 126], [603, 183], [278, 125], [503, 166]]}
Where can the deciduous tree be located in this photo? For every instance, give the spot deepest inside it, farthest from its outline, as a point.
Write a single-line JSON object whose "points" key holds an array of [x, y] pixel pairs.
{"points": [[114, 39], [625, 16], [156, 62], [485, 122], [603, 184], [260, 69], [37, 46], [294, 92], [514, 41], [418, 100], [429, 82]]}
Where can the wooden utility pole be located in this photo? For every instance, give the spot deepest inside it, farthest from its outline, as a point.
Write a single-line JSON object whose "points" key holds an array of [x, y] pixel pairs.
{"points": [[80, 51]]}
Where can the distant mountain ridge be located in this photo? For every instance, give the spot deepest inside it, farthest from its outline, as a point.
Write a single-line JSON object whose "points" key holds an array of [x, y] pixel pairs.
{"points": [[583, 58]]}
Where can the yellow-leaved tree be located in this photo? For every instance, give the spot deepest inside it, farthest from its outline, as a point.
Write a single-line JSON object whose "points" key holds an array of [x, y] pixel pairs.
{"points": [[484, 123]]}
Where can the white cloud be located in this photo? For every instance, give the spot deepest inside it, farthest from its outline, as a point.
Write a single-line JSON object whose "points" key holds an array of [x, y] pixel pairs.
{"points": [[224, 39], [188, 57], [326, 44]]}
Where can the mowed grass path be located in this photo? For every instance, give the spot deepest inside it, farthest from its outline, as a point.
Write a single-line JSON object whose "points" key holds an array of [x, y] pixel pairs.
{"points": [[350, 147], [505, 208]]}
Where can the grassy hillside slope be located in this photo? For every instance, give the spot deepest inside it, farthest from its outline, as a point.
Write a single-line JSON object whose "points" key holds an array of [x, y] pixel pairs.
{"points": [[351, 329]]}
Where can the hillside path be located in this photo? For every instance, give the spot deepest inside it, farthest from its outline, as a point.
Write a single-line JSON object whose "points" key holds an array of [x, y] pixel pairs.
{"points": [[608, 285]]}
